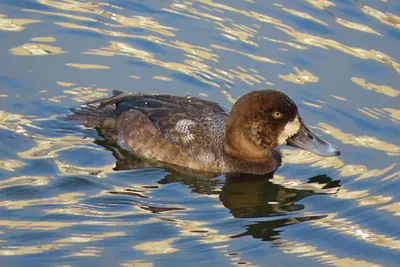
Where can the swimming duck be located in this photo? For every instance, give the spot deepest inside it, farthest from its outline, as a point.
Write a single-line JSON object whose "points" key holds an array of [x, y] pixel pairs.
{"points": [[202, 135]]}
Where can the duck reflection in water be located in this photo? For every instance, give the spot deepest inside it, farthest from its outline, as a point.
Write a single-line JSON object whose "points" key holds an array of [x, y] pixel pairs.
{"points": [[245, 195]]}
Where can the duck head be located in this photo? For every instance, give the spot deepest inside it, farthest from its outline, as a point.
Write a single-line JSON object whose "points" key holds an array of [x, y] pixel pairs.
{"points": [[262, 120]]}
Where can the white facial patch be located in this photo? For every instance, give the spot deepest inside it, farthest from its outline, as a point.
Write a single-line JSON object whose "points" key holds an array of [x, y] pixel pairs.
{"points": [[291, 128]]}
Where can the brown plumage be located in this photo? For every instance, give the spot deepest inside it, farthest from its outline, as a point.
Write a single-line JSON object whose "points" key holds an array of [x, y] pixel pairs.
{"points": [[197, 133]]}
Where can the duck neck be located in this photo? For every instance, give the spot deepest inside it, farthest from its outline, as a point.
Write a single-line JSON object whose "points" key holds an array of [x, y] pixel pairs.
{"points": [[239, 146]]}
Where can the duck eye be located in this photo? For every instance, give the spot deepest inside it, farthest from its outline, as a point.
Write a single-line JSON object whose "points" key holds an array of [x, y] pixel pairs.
{"points": [[277, 115]]}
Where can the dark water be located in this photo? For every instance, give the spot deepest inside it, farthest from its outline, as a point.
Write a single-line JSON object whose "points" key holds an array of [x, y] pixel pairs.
{"points": [[69, 199]]}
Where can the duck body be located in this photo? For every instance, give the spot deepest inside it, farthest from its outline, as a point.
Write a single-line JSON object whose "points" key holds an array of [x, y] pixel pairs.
{"points": [[196, 133]]}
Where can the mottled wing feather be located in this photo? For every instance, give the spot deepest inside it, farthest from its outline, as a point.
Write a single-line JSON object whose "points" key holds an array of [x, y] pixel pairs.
{"points": [[180, 119], [178, 122]]}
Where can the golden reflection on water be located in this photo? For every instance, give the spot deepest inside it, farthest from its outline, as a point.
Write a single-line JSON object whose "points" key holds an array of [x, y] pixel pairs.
{"points": [[16, 122], [70, 16], [72, 5], [14, 25], [190, 67], [66, 168], [57, 225], [86, 252], [356, 26], [297, 184], [206, 234], [57, 244], [302, 77], [11, 164], [363, 141], [139, 22], [87, 66], [85, 238], [297, 46], [311, 104], [65, 199], [382, 89], [44, 39], [392, 207], [345, 170], [237, 32], [394, 114], [65, 84], [363, 197], [255, 57], [321, 4], [196, 65], [325, 43], [386, 113], [84, 94], [32, 49], [386, 18], [369, 112], [350, 228], [157, 247], [26, 250], [70, 25], [313, 40], [240, 32], [302, 15], [136, 263], [87, 211], [49, 147], [324, 257], [162, 78], [24, 180], [339, 98]]}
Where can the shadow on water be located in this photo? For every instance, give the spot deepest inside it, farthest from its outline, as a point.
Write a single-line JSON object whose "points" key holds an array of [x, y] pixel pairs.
{"points": [[244, 195]]}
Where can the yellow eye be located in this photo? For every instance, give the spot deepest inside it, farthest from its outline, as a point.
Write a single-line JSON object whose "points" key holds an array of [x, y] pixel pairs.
{"points": [[277, 115]]}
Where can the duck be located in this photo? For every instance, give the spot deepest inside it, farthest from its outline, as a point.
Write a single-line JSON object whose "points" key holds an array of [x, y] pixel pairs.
{"points": [[203, 135]]}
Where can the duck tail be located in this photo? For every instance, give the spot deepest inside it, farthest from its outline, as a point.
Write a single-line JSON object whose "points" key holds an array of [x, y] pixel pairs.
{"points": [[91, 115], [103, 120], [100, 114], [95, 113]]}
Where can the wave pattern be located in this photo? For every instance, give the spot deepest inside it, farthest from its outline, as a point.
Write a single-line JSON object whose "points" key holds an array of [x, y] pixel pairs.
{"points": [[69, 198]]}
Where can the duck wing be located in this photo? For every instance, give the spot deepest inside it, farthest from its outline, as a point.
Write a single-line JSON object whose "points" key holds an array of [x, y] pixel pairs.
{"points": [[188, 122]]}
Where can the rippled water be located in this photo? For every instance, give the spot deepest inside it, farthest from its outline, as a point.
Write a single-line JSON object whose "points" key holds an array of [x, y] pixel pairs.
{"points": [[67, 198]]}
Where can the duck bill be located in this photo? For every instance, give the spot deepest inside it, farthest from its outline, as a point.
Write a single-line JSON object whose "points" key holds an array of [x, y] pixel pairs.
{"points": [[306, 139]]}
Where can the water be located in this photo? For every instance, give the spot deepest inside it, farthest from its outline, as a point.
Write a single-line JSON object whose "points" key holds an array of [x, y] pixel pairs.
{"points": [[69, 199]]}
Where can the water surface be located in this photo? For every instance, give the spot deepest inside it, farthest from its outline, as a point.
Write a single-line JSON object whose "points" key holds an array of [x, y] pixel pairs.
{"points": [[67, 198]]}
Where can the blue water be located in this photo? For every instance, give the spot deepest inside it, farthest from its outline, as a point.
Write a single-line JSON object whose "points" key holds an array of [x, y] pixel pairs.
{"points": [[68, 198]]}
